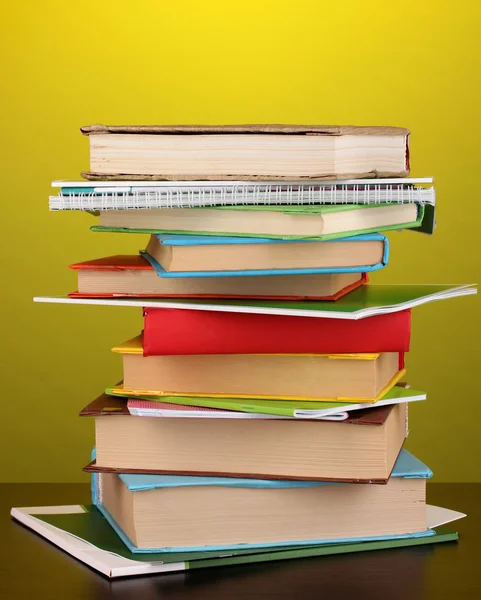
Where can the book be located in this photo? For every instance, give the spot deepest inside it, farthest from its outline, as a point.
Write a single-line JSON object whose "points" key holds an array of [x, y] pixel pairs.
{"points": [[133, 276], [109, 404], [131, 195], [281, 408], [84, 533], [149, 408], [330, 377], [323, 222], [366, 301], [211, 256], [363, 447], [264, 152], [166, 513], [174, 331]]}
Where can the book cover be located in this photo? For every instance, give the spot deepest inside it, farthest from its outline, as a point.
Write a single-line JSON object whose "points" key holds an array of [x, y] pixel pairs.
{"points": [[337, 461], [407, 466], [302, 211], [212, 240], [129, 195], [365, 301], [279, 129], [149, 408], [243, 130], [196, 241], [173, 331], [108, 405], [84, 533], [136, 263], [134, 348]]}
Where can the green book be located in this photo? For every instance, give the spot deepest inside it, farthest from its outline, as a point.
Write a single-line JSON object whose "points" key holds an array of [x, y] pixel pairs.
{"points": [[301, 221], [283, 408], [366, 301], [85, 534]]}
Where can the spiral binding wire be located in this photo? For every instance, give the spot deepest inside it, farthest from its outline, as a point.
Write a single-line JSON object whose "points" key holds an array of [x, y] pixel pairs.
{"points": [[252, 194]]}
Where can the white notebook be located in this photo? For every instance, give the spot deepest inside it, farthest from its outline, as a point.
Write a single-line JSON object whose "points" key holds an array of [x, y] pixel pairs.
{"points": [[135, 195], [367, 301], [114, 565]]}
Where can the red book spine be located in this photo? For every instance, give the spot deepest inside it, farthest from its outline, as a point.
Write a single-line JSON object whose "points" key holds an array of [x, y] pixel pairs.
{"points": [[176, 331]]}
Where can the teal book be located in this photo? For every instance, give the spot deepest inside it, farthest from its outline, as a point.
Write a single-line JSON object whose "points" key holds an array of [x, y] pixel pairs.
{"points": [[266, 250], [84, 533], [197, 513], [322, 222]]}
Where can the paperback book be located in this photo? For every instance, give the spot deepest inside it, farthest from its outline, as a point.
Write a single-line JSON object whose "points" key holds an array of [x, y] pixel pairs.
{"points": [[365, 301], [84, 533]]}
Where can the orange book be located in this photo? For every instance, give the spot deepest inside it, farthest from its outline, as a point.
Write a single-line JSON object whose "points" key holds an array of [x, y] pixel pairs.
{"points": [[133, 276]]}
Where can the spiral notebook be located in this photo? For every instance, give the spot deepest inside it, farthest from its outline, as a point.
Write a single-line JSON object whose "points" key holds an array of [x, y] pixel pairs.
{"points": [[135, 195]]}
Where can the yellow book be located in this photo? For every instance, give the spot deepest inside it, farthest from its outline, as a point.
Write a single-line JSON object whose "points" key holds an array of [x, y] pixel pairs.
{"points": [[304, 377]]}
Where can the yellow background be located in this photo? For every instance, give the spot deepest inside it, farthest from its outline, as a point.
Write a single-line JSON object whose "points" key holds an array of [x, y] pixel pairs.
{"points": [[67, 64]]}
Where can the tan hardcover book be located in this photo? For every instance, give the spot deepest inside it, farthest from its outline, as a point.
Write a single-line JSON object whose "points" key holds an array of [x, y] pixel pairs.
{"points": [[163, 514], [272, 256], [134, 276], [246, 152], [360, 449], [270, 221], [340, 377]]}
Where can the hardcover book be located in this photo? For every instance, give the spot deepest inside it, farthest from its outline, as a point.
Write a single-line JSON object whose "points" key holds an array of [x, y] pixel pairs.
{"points": [[330, 377], [85, 534], [323, 222], [133, 276], [173, 331], [337, 411], [210, 256], [363, 447], [166, 513], [252, 152]]}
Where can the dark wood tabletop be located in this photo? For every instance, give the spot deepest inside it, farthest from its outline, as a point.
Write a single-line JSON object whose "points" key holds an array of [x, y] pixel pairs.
{"points": [[30, 567]]}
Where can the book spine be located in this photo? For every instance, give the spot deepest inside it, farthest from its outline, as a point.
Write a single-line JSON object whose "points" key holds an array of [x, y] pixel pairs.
{"points": [[175, 332]]}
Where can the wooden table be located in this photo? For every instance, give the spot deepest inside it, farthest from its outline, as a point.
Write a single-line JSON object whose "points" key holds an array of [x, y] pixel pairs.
{"points": [[30, 567]]}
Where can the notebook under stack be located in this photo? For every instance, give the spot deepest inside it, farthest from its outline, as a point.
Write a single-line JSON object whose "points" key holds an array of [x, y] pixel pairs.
{"points": [[261, 414]]}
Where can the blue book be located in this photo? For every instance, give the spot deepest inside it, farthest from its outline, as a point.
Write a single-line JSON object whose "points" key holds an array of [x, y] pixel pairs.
{"points": [[176, 513], [184, 256]]}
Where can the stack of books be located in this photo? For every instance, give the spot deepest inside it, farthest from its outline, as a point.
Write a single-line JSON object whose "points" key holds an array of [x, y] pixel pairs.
{"points": [[263, 409]]}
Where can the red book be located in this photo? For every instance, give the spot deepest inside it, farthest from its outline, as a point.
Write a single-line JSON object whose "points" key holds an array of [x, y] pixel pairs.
{"points": [[132, 276], [174, 331]]}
